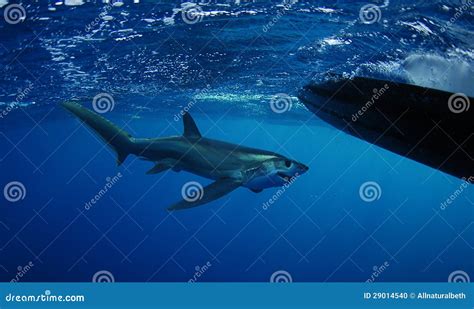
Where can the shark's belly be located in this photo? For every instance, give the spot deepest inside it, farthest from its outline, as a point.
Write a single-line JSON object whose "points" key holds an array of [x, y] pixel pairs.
{"points": [[260, 183]]}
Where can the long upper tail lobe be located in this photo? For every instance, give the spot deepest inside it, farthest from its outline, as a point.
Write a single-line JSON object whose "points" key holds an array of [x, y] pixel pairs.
{"points": [[119, 140]]}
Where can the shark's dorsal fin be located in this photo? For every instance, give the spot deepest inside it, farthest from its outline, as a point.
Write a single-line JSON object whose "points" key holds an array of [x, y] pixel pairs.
{"points": [[190, 128]]}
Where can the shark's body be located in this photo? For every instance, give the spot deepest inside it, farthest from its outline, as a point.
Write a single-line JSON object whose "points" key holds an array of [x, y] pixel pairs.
{"points": [[229, 165]]}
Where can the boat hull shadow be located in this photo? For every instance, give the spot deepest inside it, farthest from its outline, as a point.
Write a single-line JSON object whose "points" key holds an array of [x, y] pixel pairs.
{"points": [[427, 125]]}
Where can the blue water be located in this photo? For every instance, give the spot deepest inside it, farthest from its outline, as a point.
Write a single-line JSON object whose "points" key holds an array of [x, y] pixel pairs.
{"points": [[229, 65]]}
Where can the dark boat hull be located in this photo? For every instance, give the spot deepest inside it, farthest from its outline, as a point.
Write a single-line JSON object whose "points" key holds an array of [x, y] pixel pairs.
{"points": [[427, 125]]}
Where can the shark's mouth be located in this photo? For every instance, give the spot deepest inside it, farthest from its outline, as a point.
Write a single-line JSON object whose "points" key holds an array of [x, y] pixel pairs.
{"points": [[284, 176]]}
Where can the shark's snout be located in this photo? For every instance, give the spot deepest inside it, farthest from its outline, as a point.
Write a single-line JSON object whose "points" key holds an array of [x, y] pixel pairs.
{"points": [[302, 168], [294, 169]]}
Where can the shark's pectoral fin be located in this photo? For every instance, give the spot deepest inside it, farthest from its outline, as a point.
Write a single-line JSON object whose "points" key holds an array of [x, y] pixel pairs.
{"points": [[215, 190], [121, 156]]}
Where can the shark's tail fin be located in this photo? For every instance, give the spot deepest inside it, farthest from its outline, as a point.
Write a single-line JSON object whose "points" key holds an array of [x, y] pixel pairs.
{"points": [[119, 140]]}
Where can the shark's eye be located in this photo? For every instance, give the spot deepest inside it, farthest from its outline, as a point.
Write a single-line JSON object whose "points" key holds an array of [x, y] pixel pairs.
{"points": [[287, 163]]}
